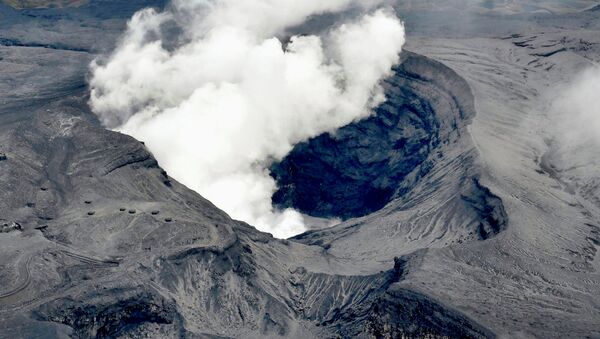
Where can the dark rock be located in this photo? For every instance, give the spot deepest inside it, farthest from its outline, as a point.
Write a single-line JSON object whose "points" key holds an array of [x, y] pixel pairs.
{"points": [[91, 213], [489, 208], [402, 313], [155, 212], [135, 157], [11, 227], [131, 211], [109, 318], [3, 156]]}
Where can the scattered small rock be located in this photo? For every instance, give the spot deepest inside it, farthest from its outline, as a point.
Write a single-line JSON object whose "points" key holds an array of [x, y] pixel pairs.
{"points": [[11, 227], [3, 156], [44, 188], [30, 204], [88, 202], [155, 212], [122, 209], [91, 213], [132, 211], [168, 219]]}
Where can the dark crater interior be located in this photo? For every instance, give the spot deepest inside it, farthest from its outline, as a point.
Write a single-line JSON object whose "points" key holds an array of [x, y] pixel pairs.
{"points": [[361, 167]]}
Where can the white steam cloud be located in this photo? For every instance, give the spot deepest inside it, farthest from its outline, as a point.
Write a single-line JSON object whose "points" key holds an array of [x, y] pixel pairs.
{"points": [[577, 107], [574, 127], [222, 97]]}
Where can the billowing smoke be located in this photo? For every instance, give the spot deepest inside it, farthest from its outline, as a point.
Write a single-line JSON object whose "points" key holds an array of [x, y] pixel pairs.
{"points": [[577, 110], [574, 133], [217, 96]]}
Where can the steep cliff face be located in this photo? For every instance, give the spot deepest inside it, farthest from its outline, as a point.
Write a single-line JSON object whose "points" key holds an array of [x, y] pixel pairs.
{"points": [[406, 314]]}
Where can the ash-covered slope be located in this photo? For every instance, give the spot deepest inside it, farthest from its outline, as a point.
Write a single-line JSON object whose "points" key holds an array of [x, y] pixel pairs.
{"points": [[539, 277], [481, 236], [107, 245]]}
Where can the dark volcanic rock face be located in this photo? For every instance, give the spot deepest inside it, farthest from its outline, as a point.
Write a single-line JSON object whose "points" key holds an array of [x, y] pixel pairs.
{"points": [[102, 317], [406, 314], [360, 168]]}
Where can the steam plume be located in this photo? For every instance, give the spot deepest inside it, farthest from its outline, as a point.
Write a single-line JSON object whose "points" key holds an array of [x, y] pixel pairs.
{"points": [[216, 96], [578, 110], [573, 127]]}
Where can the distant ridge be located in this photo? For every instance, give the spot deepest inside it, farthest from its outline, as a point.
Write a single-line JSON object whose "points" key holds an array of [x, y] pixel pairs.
{"points": [[593, 9], [39, 4]]}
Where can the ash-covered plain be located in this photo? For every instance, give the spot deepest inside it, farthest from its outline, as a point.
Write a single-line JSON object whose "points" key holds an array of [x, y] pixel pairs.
{"points": [[468, 208]]}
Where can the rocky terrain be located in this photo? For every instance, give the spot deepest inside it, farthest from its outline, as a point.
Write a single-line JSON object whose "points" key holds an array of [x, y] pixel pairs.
{"points": [[460, 219]]}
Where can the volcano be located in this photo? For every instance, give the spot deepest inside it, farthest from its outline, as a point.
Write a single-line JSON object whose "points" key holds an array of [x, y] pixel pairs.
{"points": [[460, 212]]}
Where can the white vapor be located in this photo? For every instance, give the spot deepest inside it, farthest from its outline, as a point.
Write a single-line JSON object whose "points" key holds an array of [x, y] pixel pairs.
{"points": [[574, 133], [226, 98], [577, 107]]}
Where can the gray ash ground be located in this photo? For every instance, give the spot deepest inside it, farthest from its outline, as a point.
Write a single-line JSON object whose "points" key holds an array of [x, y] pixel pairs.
{"points": [[476, 229]]}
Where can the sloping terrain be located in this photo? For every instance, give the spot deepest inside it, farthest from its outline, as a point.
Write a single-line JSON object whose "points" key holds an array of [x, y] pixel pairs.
{"points": [[110, 246], [482, 233]]}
